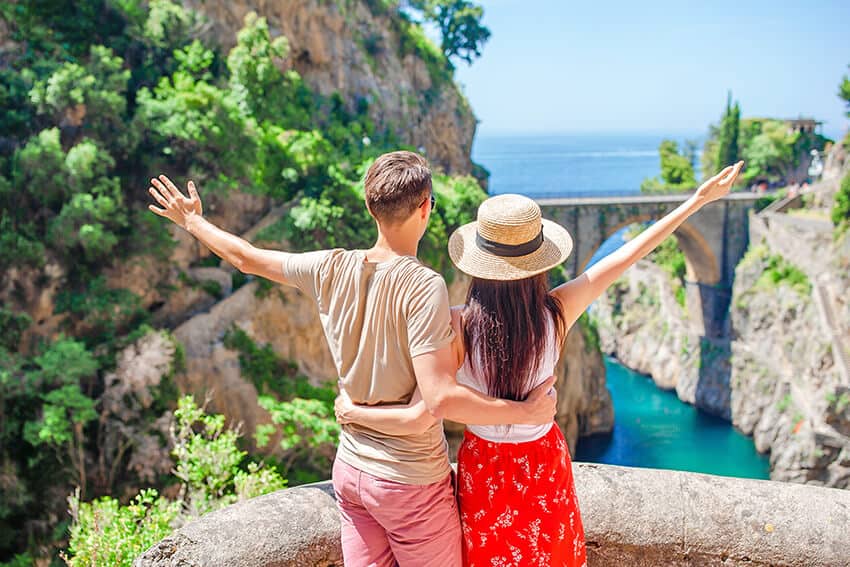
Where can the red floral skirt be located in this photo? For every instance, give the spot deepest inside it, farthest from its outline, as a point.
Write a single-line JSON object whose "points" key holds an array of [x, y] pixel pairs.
{"points": [[518, 503]]}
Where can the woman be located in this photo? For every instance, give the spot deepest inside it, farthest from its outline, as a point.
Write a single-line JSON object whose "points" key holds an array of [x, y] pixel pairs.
{"points": [[515, 488]]}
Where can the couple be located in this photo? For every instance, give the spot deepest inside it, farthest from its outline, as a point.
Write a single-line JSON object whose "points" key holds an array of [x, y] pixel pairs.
{"points": [[406, 360]]}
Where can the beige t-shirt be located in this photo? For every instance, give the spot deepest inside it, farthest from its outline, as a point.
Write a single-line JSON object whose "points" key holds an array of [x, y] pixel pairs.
{"points": [[376, 318]]}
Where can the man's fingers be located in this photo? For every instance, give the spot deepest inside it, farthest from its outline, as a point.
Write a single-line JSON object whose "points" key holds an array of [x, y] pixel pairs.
{"points": [[544, 387], [166, 193], [159, 198], [175, 192], [157, 210]]}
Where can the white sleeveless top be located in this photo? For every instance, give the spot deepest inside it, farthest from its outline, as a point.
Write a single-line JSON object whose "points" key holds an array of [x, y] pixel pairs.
{"points": [[517, 433]]}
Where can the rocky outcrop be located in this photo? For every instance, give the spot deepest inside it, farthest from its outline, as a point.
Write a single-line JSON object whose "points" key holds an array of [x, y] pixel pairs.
{"points": [[642, 325], [358, 49], [632, 517], [779, 377], [787, 388]]}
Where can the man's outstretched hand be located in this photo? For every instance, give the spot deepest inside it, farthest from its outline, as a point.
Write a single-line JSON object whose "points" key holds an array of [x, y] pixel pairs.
{"points": [[175, 206]]}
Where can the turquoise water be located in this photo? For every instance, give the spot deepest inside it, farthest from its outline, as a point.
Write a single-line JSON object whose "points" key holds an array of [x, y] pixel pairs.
{"points": [[653, 428]]}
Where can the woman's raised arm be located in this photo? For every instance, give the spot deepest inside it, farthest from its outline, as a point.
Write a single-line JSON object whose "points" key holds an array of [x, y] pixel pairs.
{"points": [[577, 294]]}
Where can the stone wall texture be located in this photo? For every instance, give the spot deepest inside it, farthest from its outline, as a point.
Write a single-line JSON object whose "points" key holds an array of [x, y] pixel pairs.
{"points": [[632, 517]]}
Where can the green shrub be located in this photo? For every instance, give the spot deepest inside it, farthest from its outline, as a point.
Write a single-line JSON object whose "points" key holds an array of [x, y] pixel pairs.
{"points": [[778, 271], [106, 533], [677, 171], [841, 210], [12, 326], [213, 473]]}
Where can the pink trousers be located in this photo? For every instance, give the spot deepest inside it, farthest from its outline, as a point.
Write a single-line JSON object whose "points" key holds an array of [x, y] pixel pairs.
{"points": [[387, 523]]}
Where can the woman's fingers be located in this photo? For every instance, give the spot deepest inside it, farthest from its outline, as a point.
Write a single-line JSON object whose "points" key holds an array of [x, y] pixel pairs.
{"points": [[193, 192], [157, 210], [733, 173]]}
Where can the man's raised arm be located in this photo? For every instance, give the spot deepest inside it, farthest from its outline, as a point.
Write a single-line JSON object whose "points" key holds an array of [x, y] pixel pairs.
{"points": [[187, 212]]}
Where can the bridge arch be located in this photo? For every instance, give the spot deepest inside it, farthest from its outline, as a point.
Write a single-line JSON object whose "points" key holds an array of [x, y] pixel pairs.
{"points": [[701, 263]]}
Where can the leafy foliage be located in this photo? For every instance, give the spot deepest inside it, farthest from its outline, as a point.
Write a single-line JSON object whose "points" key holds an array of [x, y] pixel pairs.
{"points": [[101, 94], [776, 271], [677, 171], [727, 142], [769, 147], [213, 472], [459, 21], [302, 414], [844, 94], [841, 209]]}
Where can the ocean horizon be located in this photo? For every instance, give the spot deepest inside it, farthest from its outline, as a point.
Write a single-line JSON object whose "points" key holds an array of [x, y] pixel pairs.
{"points": [[571, 164]]}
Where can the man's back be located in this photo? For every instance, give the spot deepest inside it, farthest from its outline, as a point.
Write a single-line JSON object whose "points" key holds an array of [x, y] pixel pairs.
{"points": [[377, 317]]}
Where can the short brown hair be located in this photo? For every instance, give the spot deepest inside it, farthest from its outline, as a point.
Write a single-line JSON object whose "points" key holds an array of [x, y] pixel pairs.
{"points": [[396, 184]]}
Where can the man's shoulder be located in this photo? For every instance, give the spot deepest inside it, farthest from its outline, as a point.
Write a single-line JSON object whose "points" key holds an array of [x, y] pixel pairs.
{"points": [[414, 271]]}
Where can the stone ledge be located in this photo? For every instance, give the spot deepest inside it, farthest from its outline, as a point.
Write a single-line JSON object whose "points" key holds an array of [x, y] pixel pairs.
{"points": [[635, 517]]}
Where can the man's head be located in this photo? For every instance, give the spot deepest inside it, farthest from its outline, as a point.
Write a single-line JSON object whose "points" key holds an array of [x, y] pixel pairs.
{"points": [[398, 188]]}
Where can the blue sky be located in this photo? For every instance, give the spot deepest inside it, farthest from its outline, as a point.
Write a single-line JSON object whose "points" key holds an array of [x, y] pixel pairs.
{"points": [[660, 66]]}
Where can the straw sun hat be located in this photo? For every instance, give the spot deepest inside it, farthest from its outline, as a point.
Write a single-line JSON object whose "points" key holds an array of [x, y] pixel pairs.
{"points": [[509, 241]]}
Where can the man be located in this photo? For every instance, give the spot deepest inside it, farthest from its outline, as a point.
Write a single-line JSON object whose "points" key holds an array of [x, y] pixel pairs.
{"points": [[387, 321]]}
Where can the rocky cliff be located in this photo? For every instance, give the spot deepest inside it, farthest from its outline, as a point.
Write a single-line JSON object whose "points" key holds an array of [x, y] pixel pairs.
{"points": [[641, 323], [783, 375], [367, 54]]}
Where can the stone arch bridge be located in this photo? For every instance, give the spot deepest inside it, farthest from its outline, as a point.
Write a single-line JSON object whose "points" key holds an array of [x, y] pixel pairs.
{"points": [[713, 240]]}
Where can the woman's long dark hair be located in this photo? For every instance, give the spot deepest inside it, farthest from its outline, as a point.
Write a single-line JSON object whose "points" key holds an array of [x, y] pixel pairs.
{"points": [[505, 330]]}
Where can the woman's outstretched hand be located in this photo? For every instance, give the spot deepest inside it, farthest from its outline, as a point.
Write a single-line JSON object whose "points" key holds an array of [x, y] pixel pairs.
{"points": [[718, 186], [175, 206]]}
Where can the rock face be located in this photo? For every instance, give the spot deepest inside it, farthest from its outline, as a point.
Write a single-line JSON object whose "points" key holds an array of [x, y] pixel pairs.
{"points": [[353, 47], [788, 388], [641, 323], [780, 377], [632, 517]]}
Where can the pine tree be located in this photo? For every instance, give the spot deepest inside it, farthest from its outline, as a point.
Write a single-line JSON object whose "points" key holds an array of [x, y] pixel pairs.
{"points": [[727, 143]]}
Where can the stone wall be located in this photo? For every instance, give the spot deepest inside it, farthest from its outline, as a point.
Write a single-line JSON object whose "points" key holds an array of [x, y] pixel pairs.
{"points": [[632, 517]]}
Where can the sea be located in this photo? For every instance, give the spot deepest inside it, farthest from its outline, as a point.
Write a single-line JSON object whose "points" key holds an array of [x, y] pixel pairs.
{"points": [[652, 428]]}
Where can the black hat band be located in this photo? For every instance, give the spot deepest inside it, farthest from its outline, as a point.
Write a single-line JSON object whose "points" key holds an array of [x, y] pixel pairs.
{"points": [[509, 250]]}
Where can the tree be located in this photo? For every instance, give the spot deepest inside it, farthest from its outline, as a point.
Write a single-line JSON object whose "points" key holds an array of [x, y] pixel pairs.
{"points": [[844, 94], [88, 97], [66, 410], [677, 171], [771, 153], [459, 21], [727, 144]]}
